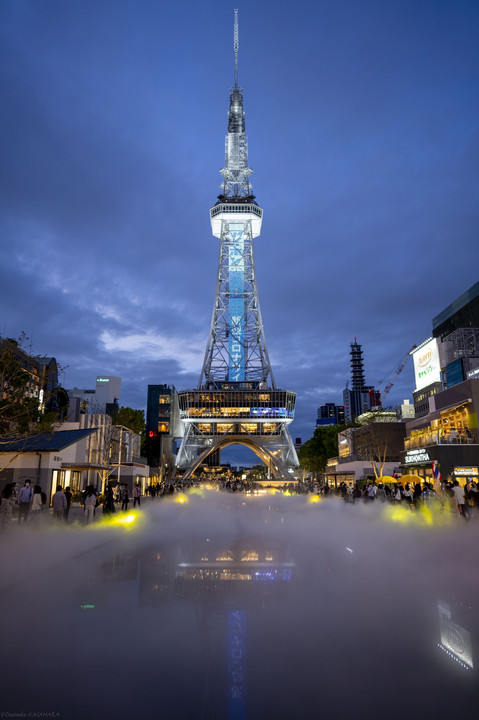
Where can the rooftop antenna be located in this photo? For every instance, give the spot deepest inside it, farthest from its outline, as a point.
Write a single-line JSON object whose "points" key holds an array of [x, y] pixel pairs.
{"points": [[236, 44]]}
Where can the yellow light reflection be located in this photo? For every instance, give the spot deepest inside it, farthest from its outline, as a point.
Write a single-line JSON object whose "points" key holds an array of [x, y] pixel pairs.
{"points": [[196, 491], [314, 499], [127, 519], [425, 516], [180, 498]]}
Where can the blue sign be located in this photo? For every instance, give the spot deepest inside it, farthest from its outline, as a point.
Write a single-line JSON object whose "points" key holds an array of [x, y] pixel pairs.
{"points": [[236, 370], [270, 412]]}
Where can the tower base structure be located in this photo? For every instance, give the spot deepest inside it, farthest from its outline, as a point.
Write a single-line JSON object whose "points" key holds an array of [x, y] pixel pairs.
{"points": [[238, 414]]}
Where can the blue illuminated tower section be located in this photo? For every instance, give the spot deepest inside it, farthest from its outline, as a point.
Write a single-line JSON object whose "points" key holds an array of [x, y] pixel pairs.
{"points": [[236, 400], [236, 350]]}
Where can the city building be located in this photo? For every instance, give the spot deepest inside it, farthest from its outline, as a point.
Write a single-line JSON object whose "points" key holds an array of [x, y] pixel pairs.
{"points": [[112, 454], [451, 355], [461, 313], [236, 400], [42, 383], [105, 398], [331, 414], [371, 450], [46, 459], [461, 350], [89, 452], [360, 397], [447, 435], [162, 428], [405, 411]]}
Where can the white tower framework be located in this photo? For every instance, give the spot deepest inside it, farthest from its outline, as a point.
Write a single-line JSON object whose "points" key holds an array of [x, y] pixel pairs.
{"points": [[236, 401]]}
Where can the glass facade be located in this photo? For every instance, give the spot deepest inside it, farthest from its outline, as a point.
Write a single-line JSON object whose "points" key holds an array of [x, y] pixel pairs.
{"points": [[246, 404]]}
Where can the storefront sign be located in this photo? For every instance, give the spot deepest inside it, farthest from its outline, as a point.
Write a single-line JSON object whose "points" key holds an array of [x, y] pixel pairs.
{"points": [[473, 373], [466, 471], [417, 456]]}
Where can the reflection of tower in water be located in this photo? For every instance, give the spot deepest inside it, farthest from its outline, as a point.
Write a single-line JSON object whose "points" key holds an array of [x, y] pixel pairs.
{"points": [[236, 400]]}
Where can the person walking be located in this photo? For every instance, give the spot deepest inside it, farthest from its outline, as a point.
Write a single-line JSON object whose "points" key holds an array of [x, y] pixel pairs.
{"points": [[59, 503], [7, 502], [25, 499], [136, 495]]}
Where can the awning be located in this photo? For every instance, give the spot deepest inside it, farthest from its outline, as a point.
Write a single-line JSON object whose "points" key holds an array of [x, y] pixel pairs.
{"points": [[84, 466]]}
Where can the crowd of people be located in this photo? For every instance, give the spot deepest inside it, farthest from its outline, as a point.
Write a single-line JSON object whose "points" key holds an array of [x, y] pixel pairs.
{"points": [[451, 496], [30, 500], [26, 503]]}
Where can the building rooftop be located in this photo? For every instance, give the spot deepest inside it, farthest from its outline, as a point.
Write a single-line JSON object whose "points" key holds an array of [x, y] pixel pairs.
{"points": [[456, 305], [44, 442]]}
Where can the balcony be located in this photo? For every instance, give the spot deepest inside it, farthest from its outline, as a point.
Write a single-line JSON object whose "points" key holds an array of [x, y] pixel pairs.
{"points": [[429, 436]]}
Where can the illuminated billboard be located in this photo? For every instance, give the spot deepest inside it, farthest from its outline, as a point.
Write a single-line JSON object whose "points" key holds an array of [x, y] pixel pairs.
{"points": [[427, 366]]}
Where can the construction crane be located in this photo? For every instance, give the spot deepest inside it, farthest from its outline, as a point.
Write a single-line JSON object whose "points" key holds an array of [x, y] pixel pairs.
{"points": [[399, 370]]}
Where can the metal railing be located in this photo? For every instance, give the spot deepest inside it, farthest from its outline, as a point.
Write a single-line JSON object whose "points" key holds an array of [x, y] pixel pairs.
{"points": [[442, 437]]}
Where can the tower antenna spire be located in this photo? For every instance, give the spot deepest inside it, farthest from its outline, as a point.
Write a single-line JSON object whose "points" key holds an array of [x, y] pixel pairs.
{"points": [[236, 45]]}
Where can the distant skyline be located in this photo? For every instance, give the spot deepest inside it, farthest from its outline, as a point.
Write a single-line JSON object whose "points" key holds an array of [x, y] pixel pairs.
{"points": [[363, 129]]}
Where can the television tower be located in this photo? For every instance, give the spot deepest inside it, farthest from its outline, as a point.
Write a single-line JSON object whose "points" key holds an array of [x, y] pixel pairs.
{"points": [[236, 400]]}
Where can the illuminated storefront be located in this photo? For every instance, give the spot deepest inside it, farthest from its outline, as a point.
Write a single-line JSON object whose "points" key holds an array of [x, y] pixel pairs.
{"points": [[448, 436]]}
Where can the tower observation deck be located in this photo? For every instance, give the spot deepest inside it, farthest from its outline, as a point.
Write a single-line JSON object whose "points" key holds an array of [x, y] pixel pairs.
{"points": [[236, 400]]}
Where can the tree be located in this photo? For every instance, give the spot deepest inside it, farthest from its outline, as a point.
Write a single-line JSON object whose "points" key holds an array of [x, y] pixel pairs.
{"points": [[315, 453], [132, 419], [21, 414], [20, 407], [380, 440]]}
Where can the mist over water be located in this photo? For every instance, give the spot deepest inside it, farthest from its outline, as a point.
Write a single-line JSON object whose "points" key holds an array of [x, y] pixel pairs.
{"points": [[228, 606]]}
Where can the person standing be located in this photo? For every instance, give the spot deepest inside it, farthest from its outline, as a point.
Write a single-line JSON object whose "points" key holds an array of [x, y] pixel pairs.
{"points": [[37, 502], [408, 495], [6, 507], [125, 499], [109, 504], [460, 497], [474, 493], [90, 504], [136, 495], [68, 495], [59, 503], [25, 498]]}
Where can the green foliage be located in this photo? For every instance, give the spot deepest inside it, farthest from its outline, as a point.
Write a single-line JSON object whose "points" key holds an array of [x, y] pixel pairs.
{"points": [[132, 419], [19, 413], [315, 453]]}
